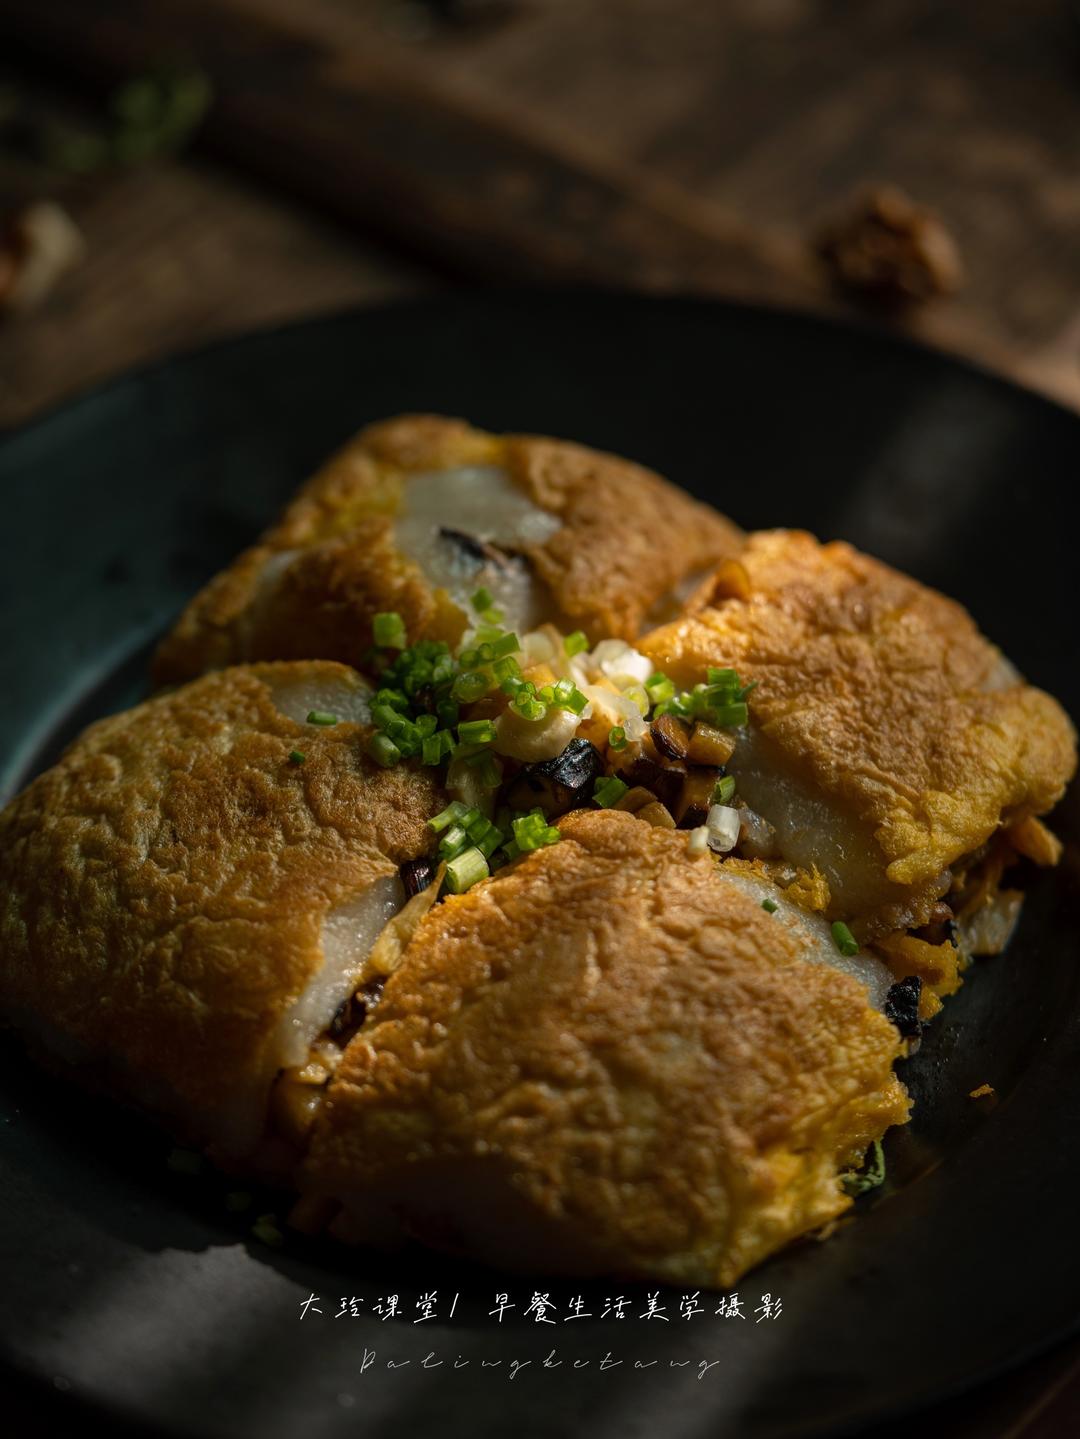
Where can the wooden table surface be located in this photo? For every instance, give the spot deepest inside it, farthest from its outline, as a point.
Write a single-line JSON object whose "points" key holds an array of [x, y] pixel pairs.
{"points": [[361, 150]]}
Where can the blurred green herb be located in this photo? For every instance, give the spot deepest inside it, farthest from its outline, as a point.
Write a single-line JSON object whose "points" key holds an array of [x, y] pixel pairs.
{"points": [[158, 113], [150, 115], [870, 1176]]}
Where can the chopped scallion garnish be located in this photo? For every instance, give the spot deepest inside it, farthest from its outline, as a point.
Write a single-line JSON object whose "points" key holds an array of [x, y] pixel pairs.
{"points": [[617, 737], [454, 841], [445, 818], [481, 731], [297, 756], [528, 706], [770, 906], [576, 643], [532, 831], [323, 717], [723, 790], [266, 1230], [609, 791], [845, 941], [383, 750], [659, 688], [389, 631], [465, 869], [729, 716], [470, 686], [870, 1176]]}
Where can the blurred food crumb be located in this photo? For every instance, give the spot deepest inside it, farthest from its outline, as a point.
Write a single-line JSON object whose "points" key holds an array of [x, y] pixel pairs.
{"points": [[984, 1091], [38, 245], [888, 249]]}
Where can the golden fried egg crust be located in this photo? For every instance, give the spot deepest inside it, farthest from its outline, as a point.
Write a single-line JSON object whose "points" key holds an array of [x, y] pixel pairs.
{"points": [[607, 1059], [184, 906], [887, 738], [415, 514]]}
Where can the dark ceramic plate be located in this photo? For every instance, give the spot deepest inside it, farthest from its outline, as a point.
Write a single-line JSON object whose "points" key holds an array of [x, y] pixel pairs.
{"points": [[136, 1294]]}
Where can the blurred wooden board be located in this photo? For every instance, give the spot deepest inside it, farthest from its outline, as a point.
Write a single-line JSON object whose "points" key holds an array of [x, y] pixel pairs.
{"points": [[655, 143], [179, 255]]}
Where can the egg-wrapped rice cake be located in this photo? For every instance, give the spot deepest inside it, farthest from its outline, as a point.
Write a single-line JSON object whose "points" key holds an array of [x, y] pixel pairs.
{"points": [[190, 894], [417, 514], [610, 1058], [888, 741]]}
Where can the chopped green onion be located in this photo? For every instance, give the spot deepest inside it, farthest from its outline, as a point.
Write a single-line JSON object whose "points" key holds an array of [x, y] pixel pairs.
{"points": [[659, 688], [266, 1229], [609, 791], [870, 1176], [528, 707], [465, 869], [297, 756], [617, 737], [532, 831], [723, 790], [383, 715], [726, 679], [383, 750], [490, 842], [483, 599], [506, 668], [567, 696], [389, 631], [729, 716], [470, 686], [453, 812], [477, 827], [321, 717], [576, 643], [506, 644], [453, 841], [770, 906], [846, 942], [481, 731]]}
